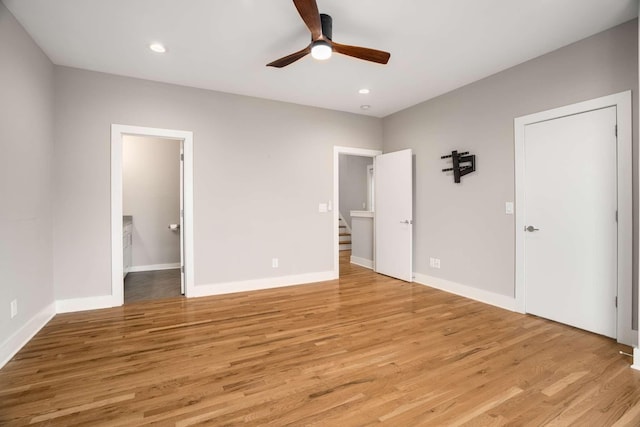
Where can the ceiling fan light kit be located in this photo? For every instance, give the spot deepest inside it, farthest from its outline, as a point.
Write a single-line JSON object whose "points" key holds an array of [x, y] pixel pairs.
{"points": [[321, 50], [322, 44]]}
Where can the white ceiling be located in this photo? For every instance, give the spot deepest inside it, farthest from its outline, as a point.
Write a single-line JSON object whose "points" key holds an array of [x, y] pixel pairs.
{"points": [[223, 45]]}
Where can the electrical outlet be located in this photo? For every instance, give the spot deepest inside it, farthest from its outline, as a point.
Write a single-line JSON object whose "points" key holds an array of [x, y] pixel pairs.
{"points": [[436, 262], [14, 308], [274, 262]]}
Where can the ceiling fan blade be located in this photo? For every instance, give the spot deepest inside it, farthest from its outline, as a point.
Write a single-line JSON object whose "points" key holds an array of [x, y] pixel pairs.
{"points": [[367, 54], [308, 10], [290, 59]]}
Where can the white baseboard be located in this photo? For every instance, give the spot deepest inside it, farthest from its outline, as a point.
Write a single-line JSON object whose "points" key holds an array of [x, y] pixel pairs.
{"points": [[362, 262], [18, 339], [260, 284], [153, 267], [636, 358], [502, 301], [82, 304]]}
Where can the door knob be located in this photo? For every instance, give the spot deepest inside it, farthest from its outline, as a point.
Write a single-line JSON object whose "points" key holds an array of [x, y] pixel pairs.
{"points": [[406, 221], [531, 229]]}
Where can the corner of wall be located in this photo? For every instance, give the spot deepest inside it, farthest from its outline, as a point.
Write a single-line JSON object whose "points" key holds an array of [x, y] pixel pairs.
{"points": [[21, 337]]}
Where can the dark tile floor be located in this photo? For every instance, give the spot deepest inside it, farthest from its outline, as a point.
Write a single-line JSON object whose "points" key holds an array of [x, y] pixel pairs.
{"points": [[151, 285]]}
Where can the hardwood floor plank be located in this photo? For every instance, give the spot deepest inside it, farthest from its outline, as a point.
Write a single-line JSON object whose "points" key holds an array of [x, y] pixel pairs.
{"points": [[363, 350], [563, 383], [80, 408]]}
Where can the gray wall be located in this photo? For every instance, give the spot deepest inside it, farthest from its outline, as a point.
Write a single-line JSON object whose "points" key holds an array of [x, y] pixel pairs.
{"points": [[464, 224], [151, 195], [260, 170], [26, 138], [353, 184]]}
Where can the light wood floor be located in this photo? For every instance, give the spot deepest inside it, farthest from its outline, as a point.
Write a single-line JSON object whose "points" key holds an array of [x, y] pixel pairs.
{"points": [[151, 285], [364, 350]]}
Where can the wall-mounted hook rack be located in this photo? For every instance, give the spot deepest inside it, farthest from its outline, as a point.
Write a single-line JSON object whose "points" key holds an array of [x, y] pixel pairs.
{"points": [[458, 169]]}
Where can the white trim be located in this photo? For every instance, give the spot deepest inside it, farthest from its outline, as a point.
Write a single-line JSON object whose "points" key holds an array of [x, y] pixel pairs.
{"points": [[622, 102], [261, 284], [636, 358], [154, 267], [370, 188], [636, 351], [117, 133], [337, 150], [22, 336], [88, 303], [362, 262], [502, 301], [361, 214]]}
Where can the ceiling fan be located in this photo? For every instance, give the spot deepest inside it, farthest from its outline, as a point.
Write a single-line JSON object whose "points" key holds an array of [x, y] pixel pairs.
{"points": [[322, 45]]}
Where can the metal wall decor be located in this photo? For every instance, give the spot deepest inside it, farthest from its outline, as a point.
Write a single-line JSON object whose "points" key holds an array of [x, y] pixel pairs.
{"points": [[463, 164]]}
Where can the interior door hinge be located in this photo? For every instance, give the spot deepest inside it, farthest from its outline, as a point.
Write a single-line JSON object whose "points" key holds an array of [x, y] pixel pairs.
{"points": [[616, 216], [616, 130], [616, 302], [182, 270], [182, 155], [182, 214]]}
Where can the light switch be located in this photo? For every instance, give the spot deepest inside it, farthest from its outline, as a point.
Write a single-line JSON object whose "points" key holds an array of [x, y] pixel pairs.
{"points": [[322, 208], [508, 208]]}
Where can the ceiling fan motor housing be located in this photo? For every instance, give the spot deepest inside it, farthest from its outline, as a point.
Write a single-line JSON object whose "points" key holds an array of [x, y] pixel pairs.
{"points": [[322, 45], [327, 25]]}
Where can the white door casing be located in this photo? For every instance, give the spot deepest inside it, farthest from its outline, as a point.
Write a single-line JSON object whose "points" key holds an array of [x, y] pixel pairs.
{"points": [[181, 218], [570, 208], [186, 228], [394, 214], [622, 193]]}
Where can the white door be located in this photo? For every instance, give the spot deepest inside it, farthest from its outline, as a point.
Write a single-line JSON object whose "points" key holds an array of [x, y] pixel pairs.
{"points": [[182, 217], [570, 220], [394, 214]]}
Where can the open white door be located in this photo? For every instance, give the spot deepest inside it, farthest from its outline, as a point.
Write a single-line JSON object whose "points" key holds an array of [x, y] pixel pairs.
{"points": [[394, 215], [182, 217]]}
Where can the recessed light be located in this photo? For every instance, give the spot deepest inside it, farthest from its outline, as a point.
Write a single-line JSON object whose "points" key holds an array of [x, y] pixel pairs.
{"points": [[157, 47], [364, 91], [365, 107]]}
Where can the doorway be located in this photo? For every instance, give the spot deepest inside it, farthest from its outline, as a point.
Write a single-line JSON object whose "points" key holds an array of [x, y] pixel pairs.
{"points": [[392, 213], [152, 199], [573, 215], [355, 210], [183, 226], [352, 185]]}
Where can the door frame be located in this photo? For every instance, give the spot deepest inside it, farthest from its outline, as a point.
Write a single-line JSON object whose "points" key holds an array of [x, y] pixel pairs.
{"points": [[337, 150], [117, 134], [622, 102]]}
